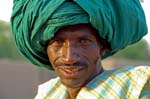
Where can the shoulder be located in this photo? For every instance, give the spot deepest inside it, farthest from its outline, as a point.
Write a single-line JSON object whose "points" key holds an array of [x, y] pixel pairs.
{"points": [[127, 82], [46, 87], [139, 73], [136, 72], [131, 73], [125, 73], [51, 83], [145, 94]]}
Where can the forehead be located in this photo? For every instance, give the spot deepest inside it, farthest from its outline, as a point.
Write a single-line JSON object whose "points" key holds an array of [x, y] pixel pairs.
{"points": [[78, 30]]}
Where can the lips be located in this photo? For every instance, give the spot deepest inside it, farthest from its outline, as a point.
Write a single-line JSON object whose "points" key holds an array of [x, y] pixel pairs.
{"points": [[72, 72]]}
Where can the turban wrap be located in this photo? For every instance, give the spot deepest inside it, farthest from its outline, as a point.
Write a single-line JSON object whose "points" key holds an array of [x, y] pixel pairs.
{"points": [[34, 22]]}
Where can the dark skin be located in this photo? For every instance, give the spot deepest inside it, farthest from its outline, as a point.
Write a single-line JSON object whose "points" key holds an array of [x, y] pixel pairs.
{"points": [[75, 54]]}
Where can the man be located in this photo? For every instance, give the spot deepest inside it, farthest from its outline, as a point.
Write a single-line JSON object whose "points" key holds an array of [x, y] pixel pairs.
{"points": [[72, 37]]}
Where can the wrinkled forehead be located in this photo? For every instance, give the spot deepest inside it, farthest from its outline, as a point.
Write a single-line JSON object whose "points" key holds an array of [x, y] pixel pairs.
{"points": [[77, 30]]}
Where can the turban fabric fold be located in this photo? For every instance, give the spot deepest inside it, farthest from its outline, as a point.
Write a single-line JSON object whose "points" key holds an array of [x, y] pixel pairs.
{"points": [[34, 22]]}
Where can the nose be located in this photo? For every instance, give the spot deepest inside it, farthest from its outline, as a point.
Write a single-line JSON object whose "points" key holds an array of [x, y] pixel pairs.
{"points": [[70, 54]]}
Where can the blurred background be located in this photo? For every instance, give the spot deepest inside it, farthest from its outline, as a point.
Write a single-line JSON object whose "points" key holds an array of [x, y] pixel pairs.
{"points": [[19, 79]]}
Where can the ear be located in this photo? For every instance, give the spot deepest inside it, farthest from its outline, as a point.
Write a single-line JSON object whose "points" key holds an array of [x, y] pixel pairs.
{"points": [[103, 50], [104, 46]]}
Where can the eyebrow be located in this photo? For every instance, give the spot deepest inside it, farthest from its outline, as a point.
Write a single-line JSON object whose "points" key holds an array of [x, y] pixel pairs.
{"points": [[88, 36], [80, 36]]}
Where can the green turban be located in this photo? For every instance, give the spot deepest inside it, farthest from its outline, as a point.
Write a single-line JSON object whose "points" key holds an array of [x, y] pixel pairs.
{"points": [[34, 22]]}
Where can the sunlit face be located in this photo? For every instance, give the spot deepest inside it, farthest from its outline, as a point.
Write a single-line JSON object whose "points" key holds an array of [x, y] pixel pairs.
{"points": [[73, 53]]}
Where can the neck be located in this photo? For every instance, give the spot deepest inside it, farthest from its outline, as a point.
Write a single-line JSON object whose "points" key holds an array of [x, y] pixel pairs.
{"points": [[73, 92]]}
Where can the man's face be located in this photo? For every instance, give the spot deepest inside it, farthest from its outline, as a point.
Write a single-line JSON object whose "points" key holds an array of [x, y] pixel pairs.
{"points": [[73, 53]]}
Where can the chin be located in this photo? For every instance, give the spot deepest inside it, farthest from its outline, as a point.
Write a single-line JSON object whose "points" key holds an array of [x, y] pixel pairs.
{"points": [[73, 83]]}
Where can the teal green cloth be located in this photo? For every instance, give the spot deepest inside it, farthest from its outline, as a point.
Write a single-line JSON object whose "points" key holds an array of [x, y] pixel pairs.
{"points": [[120, 22]]}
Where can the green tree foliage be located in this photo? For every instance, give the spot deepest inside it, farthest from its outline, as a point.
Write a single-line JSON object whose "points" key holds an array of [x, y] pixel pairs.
{"points": [[7, 46], [138, 51]]}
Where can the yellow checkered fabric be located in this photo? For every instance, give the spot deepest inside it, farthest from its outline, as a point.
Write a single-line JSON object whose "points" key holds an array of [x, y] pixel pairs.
{"points": [[125, 83]]}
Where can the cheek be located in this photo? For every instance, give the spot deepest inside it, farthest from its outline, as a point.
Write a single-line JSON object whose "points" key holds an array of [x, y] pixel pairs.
{"points": [[93, 53], [52, 54]]}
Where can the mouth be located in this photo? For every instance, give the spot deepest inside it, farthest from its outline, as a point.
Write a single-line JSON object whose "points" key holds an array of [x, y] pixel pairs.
{"points": [[72, 72]]}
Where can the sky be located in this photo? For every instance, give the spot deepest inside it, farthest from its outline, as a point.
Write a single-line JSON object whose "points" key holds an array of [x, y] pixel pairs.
{"points": [[6, 8]]}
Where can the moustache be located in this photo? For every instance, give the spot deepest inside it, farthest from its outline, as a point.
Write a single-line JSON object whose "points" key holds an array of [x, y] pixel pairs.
{"points": [[77, 64]]}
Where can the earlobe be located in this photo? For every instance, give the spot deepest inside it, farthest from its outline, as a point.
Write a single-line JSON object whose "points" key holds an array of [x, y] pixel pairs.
{"points": [[98, 63], [102, 51]]}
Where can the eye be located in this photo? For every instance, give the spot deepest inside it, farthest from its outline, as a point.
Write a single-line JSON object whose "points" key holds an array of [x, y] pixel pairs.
{"points": [[85, 41], [56, 42]]}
